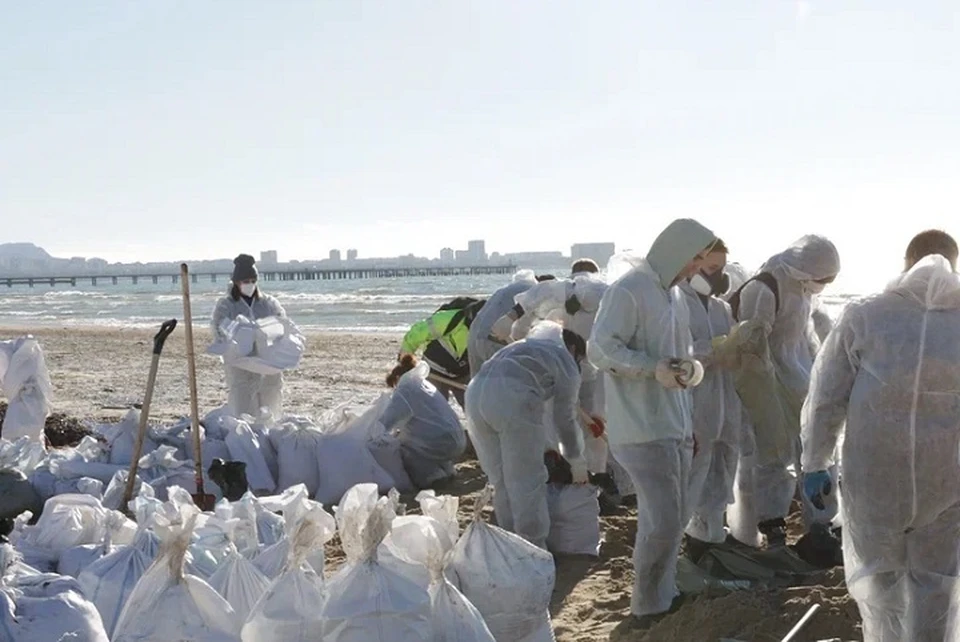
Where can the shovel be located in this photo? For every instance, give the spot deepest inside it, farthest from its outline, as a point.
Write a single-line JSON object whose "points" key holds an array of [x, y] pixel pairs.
{"points": [[158, 340], [203, 501]]}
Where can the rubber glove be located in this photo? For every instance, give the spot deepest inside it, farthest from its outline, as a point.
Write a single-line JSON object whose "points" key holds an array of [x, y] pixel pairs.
{"points": [[597, 426], [817, 486], [501, 329], [666, 374], [578, 467]]}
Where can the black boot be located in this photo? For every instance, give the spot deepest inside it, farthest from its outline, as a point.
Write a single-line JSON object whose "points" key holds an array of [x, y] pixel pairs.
{"points": [[775, 531], [231, 477]]}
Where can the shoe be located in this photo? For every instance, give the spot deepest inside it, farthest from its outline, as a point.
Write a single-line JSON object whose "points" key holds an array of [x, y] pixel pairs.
{"points": [[775, 531], [629, 500], [609, 503], [231, 477]]}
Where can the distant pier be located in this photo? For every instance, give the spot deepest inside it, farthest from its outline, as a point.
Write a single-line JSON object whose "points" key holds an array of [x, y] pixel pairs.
{"points": [[302, 274]]}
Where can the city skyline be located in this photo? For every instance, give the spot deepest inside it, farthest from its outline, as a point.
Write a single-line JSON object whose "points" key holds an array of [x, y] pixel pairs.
{"points": [[28, 259]]}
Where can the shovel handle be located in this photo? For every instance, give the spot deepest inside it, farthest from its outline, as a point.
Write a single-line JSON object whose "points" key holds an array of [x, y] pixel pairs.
{"points": [[161, 336]]}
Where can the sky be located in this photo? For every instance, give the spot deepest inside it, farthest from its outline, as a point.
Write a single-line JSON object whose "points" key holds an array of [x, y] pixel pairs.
{"points": [[166, 129]]}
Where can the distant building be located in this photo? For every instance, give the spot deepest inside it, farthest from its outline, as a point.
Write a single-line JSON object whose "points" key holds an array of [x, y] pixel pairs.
{"points": [[447, 255], [351, 255], [537, 259], [477, 250], [335, 256], [269, 257], [599, 252]]}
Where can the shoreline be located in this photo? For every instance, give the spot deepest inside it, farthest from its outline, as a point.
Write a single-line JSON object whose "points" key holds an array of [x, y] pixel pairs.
{"points": [[99, 372]]}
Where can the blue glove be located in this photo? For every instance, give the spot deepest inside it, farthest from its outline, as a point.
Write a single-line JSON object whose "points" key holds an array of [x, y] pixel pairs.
{"points": [[816, 486]]}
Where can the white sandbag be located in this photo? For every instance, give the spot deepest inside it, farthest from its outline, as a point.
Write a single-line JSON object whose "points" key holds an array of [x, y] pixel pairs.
{"points": [[507, 578], [17, 495], [574, 519], [267, 449], [175, 435], [210, 449], [74, 561], [23, 454], [211, 544], [367, 602], [427, 540], [79, 486], [297, 456], [239, 582], [294, 503], [290, 608], [121, 438], [76, 468], [244, 445], [237, 338], [343, 461], [169, 604], [44, 607], [25, 383], [109, 581], [68, 521]]}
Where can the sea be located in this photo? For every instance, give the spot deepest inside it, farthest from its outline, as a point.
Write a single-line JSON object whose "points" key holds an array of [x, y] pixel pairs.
{"points": [[358, 305]]}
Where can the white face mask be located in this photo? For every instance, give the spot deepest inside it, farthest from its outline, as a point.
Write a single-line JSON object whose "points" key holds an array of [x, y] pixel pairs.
{"points": [[247, 289], [700, 285], [812, 287]]}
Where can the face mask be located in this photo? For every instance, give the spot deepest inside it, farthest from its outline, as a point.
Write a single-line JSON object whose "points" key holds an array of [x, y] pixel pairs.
{"points": [[247, 289], [714, 284], [701, 285], [812, 287]]}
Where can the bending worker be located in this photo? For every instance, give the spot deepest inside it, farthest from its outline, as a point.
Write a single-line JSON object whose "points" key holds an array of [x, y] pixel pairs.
{"points": [[430, 434], [249, 392], [444, 337], [505, 406], [890, 371]]}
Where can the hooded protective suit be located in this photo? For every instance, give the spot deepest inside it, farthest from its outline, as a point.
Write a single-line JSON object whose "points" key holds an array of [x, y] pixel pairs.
{"points": [[505, 406], [479, 346], [891, 370], [793, 344], [249, 391], [573, 303], [430, 434], [717, 419], [642, 320]]}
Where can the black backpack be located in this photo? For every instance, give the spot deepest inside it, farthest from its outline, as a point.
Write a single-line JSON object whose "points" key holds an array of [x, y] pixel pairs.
{"points": [[467, 308], [768, 280]]}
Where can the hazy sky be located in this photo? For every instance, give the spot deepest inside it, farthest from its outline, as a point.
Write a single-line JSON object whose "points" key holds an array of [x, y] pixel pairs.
{"points": [[160, 129]]}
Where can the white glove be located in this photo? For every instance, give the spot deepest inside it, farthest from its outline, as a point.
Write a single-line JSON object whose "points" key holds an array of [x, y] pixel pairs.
{"points": [[578, 468], [501, 329], [666, 374]]}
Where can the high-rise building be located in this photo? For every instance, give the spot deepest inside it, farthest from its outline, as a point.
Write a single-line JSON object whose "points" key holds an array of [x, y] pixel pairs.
{"points": [[335, 256], [477, 251], [447, 255], [599, 252], [268, 257], [351, 255]]}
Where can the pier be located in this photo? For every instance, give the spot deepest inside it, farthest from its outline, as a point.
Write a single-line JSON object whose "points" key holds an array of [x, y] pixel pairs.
{"points": [[299, 274]]}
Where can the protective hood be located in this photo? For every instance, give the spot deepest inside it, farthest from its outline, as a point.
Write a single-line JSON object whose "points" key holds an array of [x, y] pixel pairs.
{"points": [[931, 283], [546, 331], [525, 276], [676, 246], [811, 258]]}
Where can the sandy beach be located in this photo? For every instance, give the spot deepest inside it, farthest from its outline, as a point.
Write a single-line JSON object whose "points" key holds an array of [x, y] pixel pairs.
{"points": [[97, 373]]}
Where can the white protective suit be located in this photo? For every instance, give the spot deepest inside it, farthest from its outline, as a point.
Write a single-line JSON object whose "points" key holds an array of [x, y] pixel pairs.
{"points": [[717, 419], [479, 345], [642, 320], [505, 404], [248, 391], [430, 434], [549, 300], [891, 370], [793, 344]]}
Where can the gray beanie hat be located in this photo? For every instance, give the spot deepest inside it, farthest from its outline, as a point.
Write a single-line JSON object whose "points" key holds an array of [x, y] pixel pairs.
{"points": [[244, 269]]}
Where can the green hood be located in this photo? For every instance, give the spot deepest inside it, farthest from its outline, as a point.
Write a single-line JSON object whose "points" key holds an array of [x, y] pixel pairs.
{"points": [[676, 246]]}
